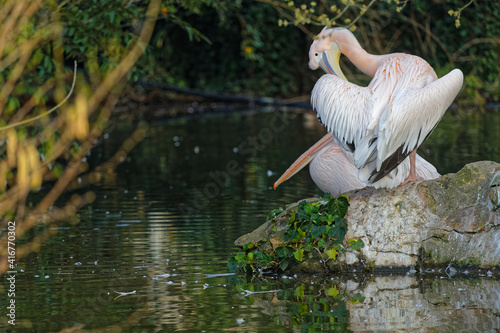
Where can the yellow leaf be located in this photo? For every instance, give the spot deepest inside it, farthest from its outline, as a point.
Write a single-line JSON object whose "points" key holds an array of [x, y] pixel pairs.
{"points": [[332, 291], [4, 169], [299, 291], [332, 253], [22, 170], [11, 146], [82, 121], [34, 165]]}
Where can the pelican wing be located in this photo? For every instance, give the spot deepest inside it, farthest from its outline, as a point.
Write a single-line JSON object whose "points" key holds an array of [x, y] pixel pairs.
{"points": [[343, 108], [410, 117]]}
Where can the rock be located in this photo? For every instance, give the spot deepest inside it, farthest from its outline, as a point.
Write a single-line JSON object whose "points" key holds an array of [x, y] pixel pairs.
{"points": [[452, 221]]}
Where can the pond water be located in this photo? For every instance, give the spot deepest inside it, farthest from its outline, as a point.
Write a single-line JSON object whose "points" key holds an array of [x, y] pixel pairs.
{"points": [[149, 255]]}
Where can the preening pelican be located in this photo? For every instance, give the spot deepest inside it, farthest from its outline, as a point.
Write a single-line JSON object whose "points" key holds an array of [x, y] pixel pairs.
{"points": [[388, 120], [372, 129]]}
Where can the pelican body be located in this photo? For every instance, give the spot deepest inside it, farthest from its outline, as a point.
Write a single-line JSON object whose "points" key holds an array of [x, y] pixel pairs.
{"points": [[375, 130]]}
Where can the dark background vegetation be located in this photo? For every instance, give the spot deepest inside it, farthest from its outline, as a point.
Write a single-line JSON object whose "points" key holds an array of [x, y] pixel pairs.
{"points": [[239, 47], [249, 52]]}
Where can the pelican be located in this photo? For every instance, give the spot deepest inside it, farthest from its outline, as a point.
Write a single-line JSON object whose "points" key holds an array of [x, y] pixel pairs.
{"points": [[378, 126]]}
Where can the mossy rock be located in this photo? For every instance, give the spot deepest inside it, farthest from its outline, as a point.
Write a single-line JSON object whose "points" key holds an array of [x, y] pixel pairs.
{"points": [[452, 220]]}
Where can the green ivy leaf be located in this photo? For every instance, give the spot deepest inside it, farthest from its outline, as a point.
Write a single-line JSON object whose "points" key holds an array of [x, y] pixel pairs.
{"points": [[285, 264], [322, 243], [337, 233], [248, 246], [232, 265], [299, 254], [240, 256], [274, 213], [358, 298], [356, 244], [318, 230], [299, 291], [284, 251], [301, 213], [263, 259], [338, 206]]}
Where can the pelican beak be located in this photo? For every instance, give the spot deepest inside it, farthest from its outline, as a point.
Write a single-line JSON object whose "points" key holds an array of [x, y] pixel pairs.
{"points": [[305, 159], [330, 61]]}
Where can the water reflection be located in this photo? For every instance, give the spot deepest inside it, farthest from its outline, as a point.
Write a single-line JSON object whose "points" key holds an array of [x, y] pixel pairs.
{"points": [[379, 303], [149, 255]]}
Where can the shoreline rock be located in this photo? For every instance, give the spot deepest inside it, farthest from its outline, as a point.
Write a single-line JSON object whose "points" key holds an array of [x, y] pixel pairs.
{"points": [[452, 221]]}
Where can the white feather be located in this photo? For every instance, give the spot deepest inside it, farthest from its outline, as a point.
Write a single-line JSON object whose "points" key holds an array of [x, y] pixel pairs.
{"points": [[343, 108]]}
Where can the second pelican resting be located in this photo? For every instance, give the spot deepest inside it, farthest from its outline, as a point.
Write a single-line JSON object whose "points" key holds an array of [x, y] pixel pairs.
{"points": [[372, 129], [332, 168]]}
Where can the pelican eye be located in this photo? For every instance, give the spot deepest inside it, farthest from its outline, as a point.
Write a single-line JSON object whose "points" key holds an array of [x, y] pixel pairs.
{"points": [[316, 54]]}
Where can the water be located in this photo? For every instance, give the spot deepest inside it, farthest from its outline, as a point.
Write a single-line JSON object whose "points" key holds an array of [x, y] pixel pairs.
{"points": [[149, 255]]}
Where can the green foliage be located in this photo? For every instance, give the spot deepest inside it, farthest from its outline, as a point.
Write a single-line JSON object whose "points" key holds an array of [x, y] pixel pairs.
{"points": [[316, 231], [356, 244], [247, 51], [358, 298], [274, 213]]}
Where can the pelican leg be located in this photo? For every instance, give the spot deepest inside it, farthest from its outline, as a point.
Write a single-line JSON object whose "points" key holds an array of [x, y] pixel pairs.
{"points": [[413, 173]]}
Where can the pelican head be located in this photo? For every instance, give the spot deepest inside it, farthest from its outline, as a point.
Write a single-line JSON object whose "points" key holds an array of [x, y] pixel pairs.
{"points": [[325, 53]]}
